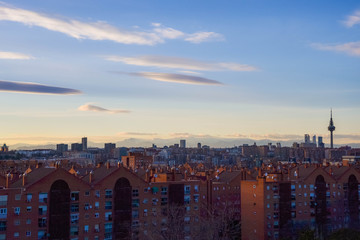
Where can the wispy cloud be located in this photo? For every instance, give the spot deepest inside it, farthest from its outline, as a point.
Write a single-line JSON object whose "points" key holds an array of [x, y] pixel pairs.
{"points": [[353, 19], [190, 135], [180, 63], [93, 108], [200, 37], [15, 56], [22, 87], [351, 48], [101, 30], [136, 134], [175, 78]]}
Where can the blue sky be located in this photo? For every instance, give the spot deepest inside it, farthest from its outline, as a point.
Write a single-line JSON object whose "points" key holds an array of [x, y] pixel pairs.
{"points": [[113, 70]]}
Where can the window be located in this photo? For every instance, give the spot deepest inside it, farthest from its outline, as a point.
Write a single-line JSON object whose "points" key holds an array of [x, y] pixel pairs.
{"points": [[96, 215], [43, 197], [75, 196], [164, 201], [74, 230], [135, 192], [196, 188], [42, 222], [108, 227], [87, 206], [135, 214], [186, 199], [74, 218], [17, 210], [17, 222], [28, 221], [74, 207], [28, 233], [196, 198], [86, 228], [2, 225], [28, 209], [18, 197], [163, 190], [41, 234], [42, 210], [96, 227], [16, 234], [108, 205], [108, 216], [135, 203], [97, 193], [28, 197], [108, 193], [145, 200], [97, 205], [87, 193], [187, 189]]}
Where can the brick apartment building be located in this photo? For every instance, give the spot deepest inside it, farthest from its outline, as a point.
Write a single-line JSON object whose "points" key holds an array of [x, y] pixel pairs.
{"points": [[115, 202]]}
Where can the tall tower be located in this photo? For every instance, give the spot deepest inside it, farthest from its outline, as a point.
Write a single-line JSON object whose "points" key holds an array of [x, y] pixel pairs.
{"points": [[84, 143], [331, 128]]}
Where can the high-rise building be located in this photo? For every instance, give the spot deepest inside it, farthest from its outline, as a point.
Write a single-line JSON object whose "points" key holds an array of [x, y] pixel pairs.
{"points": [[331, 128], [182, 143], [109, 149], [84, 143], [314, 139], [76, 147], [307, 138], [62, 147], [199, 145], [320, 142]]}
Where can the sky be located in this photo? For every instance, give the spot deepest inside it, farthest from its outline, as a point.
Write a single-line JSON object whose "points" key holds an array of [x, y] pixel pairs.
{"points": [[116, 70]]}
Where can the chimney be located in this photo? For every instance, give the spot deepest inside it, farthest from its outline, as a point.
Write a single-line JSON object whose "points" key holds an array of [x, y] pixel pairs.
{"points": [[24, 179], [118, 164], [107, 164], [7, 180], [90, 177]]}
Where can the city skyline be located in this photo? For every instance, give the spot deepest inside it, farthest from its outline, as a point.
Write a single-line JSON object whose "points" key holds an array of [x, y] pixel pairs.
{"points": [[203, 70]]}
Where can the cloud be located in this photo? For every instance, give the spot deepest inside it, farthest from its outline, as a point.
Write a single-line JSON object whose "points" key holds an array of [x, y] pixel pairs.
{"points": [[22, 87], [353, 19], [190, 135], [176, 78], [15, 56], [101, 30], [351, 48], [200, 37], [137, 134], [354, 137], [180, 63], [93, 108]]}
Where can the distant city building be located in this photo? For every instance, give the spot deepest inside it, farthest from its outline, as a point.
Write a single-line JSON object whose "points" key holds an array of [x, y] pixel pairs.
{"points": [[314, 140], [199, 145], [109, 149], [307, 138], [182, 143], [76, 147], [84, 143], [331, 128], [4, 148], [62, 147], [320, 142]]}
